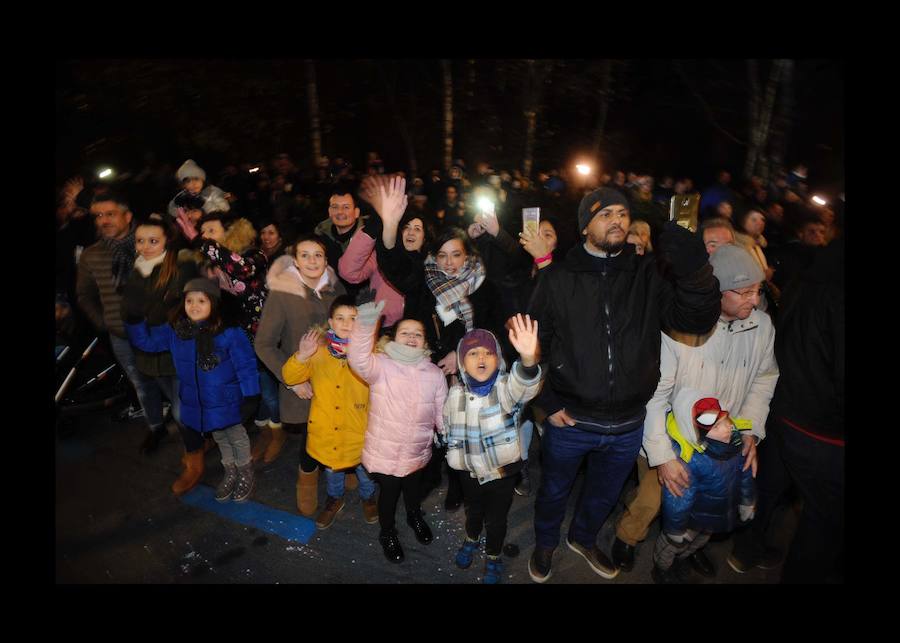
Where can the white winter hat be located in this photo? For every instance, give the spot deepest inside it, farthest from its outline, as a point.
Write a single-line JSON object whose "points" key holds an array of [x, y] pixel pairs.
{"points": [[190, 170]]}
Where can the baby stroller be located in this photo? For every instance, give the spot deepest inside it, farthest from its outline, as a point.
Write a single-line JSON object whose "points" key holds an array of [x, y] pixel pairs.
{"points": [[88, 377]]}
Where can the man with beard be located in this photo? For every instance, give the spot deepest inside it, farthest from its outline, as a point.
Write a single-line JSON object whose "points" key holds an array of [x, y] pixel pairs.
{"points": [[600, 313]]}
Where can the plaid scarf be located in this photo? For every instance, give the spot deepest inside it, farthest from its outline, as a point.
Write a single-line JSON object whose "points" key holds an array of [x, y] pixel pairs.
{"points": [[453, 292], [123, 254]]}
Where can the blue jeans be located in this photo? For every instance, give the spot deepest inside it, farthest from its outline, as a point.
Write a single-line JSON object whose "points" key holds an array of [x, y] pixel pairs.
{"points": [[334, 483], [149, 391], [610, 458], [268, 388]]}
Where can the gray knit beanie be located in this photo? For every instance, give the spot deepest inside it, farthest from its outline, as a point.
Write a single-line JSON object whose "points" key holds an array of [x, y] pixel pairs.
{"points": [[735, 268], [190, 170], [204, 285]]}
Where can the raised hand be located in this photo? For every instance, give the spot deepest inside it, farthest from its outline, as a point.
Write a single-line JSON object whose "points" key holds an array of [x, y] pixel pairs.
{"points": [[490, 223], [534, 244], [187, 227], [523, 335], [393, 200], [368, 190], [72, 188], [475, 230], [309, 344]]}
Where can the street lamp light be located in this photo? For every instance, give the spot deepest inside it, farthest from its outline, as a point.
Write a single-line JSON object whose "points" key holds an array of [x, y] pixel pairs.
{"points": [[819, 200], [583, 169], [104, 173]]}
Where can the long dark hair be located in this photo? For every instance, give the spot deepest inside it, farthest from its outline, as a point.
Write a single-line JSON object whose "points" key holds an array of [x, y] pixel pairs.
{"points": [[214, 322], [169, 266]]}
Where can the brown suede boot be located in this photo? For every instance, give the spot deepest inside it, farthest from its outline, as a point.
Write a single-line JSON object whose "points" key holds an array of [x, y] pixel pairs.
{"points": [[193, 471], [308, 492], [273, 450], [261, 444]]}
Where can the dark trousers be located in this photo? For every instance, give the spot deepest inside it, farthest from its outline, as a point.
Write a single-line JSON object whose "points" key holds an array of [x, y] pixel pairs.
{"points": [[487, 505], [391, 487], [308, 464], [816, 469], [609, 461], [193, 440], [431, 477]]}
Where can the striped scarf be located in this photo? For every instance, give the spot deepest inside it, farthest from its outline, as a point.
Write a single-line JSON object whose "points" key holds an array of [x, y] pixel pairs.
{"points": [[453, 292], [336, 346]]}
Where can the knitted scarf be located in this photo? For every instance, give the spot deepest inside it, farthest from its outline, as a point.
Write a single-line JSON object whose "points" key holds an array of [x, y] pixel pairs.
{"points": [[123, 254], [404, 354], [336, 346], [146, 266], [206, 356], [453, 291], [481, 388]]}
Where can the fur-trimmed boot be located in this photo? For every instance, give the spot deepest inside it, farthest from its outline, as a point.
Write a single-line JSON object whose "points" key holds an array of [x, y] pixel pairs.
{"points": [[308, 492], [193, 471]]}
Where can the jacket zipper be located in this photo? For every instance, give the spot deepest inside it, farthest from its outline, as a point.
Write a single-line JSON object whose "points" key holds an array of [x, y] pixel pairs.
{"points": [[197, 384], [609, 350]]}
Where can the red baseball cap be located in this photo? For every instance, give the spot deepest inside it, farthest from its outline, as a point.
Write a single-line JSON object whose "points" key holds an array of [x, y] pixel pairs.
{"points": [[707, 412]]}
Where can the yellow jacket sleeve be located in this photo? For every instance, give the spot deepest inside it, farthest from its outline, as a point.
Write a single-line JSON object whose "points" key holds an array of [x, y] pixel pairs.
{"points": [[296, 372]]}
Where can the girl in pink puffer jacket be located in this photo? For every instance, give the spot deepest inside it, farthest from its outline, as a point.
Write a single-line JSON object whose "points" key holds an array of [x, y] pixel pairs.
{"points": [[406, 400]]}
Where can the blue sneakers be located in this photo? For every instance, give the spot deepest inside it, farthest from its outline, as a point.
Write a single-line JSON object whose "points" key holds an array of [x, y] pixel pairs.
{"points": [[493, 570], [466, 553]]}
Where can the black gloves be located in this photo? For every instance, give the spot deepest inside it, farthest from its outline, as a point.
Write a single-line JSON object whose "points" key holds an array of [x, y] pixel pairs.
{"points": [[682, 249], [248, 408]]}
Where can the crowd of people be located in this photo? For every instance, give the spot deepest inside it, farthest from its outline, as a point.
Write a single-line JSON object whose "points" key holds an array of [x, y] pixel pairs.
{"points": [[407, 330]]}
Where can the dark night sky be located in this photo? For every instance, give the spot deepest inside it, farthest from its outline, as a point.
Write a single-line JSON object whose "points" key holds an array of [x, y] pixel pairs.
{"points": [[217, 111]]}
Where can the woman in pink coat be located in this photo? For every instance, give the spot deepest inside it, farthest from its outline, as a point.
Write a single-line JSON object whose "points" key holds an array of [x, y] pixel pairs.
{"points": [[406, 400]]}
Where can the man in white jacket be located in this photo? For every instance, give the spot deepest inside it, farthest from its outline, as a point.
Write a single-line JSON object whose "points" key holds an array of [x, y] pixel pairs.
{"points": [[736, 361]]}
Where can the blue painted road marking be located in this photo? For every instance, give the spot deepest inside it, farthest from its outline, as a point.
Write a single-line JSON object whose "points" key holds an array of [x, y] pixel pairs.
{"points": [[253, 514]]}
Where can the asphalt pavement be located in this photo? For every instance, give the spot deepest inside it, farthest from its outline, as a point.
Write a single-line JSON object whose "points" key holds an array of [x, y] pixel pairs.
{"points": [[117, 522]]}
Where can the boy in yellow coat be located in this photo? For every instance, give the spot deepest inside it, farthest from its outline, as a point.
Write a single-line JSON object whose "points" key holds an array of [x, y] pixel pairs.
{"points": [[339, 410]]}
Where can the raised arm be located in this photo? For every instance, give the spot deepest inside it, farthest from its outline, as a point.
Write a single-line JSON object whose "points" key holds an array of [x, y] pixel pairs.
{"points": [[693, 303], [150, 339], [358, 262], [362, 340]]}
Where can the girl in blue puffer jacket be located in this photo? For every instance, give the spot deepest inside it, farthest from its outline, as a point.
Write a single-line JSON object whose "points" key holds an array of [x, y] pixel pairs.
{"points": [[218, 379]]}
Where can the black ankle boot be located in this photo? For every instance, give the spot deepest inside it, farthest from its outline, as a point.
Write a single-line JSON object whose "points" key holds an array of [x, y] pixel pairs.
{"points": [[154, 437], [415, 520], [454, 498], [390, 543]]}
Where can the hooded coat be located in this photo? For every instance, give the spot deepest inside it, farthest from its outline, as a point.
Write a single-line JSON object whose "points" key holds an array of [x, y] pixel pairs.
{"points": [[291, 309], [717, 487], [213, 201], [483, 433], [210, 400]]}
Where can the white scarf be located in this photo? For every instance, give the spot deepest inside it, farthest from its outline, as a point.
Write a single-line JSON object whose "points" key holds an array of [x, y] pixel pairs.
{"points": [[146, 266], [405, 354]]}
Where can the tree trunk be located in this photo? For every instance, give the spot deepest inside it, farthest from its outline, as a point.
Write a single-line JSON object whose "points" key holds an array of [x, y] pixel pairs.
{"points": [[401, 124], [313, 97], [761, 108], [784, 116], [534, 87], [604, 97], [448, 114]]}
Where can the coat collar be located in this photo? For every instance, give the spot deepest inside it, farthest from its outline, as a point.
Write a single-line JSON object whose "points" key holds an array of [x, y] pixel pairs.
{"points": [[282, 278], [578, 260]]}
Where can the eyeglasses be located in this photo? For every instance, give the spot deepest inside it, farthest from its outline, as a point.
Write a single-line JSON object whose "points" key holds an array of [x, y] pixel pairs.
{"points": [[748, 294]]}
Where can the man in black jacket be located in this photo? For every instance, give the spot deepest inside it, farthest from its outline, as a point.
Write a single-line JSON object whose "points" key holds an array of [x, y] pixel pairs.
{"points": [[600, 314], [806, 428]]}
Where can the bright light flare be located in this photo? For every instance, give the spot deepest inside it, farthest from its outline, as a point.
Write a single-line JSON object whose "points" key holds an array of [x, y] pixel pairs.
{"points": [[583, 169], [254, 169], [486, 205], [819, 200], [105, 173]]}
